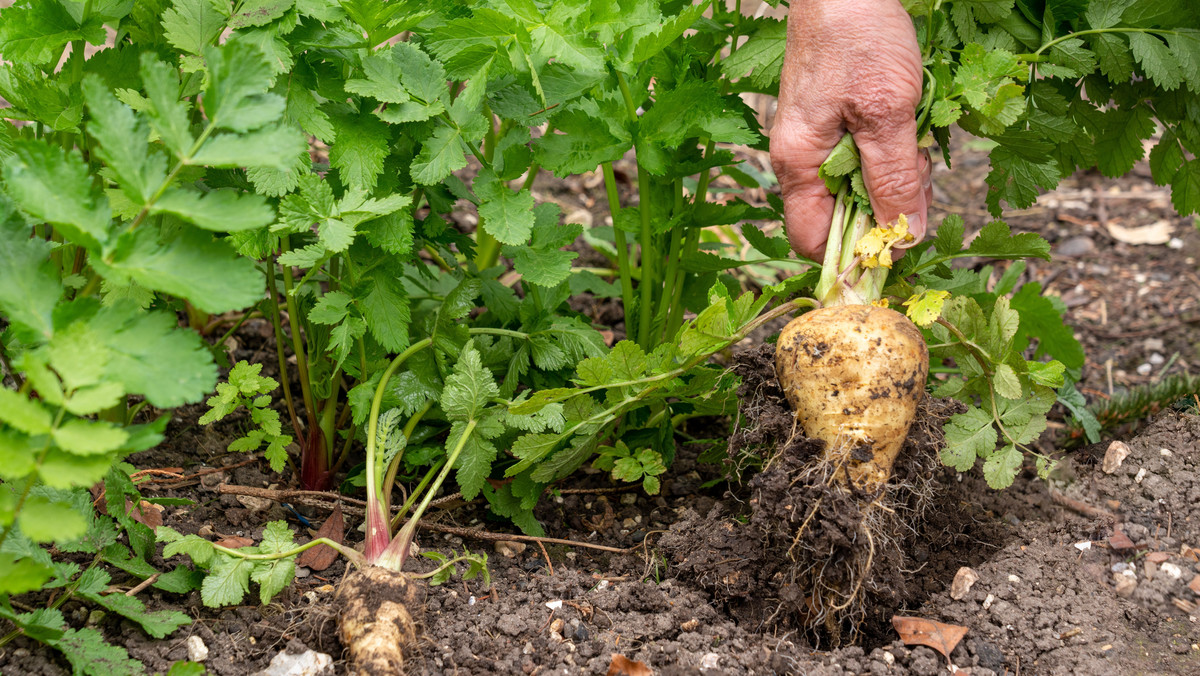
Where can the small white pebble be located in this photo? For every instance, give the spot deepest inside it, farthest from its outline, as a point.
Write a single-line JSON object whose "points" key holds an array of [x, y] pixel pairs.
{"points": [[1175, 243], [1014, 579], [1140, 475], [471, 601], [1144, 369], [987, 602], [197, 651], [1171, 570], [554, 605], [889, 658], [1165, 452], [1157, 359], [1083, 546]]}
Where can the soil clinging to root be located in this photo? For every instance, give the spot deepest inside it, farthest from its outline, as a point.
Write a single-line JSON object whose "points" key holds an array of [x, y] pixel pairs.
{"points": [[808, 551]]}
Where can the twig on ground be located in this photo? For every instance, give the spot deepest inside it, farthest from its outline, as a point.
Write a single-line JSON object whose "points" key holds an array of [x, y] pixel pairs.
{"points": [[143, 584], [547, 555], [1082, 507]]}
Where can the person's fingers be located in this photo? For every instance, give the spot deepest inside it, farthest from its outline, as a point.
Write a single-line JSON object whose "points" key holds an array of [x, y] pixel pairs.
{"points": [[892, 168], [797, 152]]}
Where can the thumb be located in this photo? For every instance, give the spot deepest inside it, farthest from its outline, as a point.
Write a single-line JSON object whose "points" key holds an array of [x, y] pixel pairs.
{"points": [[892, 171]]}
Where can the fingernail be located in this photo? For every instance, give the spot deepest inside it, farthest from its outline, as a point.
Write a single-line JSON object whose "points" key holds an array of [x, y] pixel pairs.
{"points": [[916, 225]]}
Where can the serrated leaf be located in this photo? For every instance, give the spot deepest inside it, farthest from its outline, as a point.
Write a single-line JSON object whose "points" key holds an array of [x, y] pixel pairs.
{"points": [[122, 139], [200, 550], [193, 266], [474, 462], [969, 436], [506, 215], [53, 185], [1112, 54], [217, 210], [996, 240], [168, 115], [761, 55], [441, 154], [925, 307], [1001, 467], [29, 288], [1006, 383], [944, 113], [1024, 420], [1049, 374], [91, 655], [362, 145], [1185, 188], [20, 575], [469, 388], [1156, 60], [271, 147], [23, 414], [85, 437], [227, 582], [44, 520], [1043, 320], [191, 25], [36, 32]]}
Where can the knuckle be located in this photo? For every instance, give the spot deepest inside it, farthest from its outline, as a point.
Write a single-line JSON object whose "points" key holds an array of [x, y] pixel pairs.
{"points": [[893, 183]]}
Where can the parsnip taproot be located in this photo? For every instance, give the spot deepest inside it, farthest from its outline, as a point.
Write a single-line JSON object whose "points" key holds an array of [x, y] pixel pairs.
{"points": [[854, 374]]}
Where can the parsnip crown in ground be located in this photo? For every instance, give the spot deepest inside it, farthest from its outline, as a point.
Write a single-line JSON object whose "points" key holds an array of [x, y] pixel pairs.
{"points": [[854, 375]]}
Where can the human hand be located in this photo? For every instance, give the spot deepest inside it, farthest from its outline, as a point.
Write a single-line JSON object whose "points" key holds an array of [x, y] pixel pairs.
{"points": [[851, 66]]}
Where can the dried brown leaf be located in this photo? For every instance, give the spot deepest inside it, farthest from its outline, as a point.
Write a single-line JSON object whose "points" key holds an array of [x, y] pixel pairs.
{"points": [[147, 513], [623, 666], [919, 631], [322, 556], [234, 542]]}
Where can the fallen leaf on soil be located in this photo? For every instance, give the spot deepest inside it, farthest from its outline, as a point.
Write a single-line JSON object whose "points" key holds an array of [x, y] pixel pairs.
{"points": [[1189, 552], [1159, 232], [1194, 585], [623, 666], [1119, 541], [322, 556], [234, 542], [964, 579], [147, 513], [1157, 557], [1114, 456], [919, 631]]}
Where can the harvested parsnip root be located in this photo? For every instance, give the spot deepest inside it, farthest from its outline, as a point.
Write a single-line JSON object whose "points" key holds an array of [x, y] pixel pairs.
{"points": [[854, 374]]}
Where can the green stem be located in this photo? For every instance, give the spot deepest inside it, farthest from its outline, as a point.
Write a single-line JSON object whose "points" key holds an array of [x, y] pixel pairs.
{"points": [[614, 206], [394, 466], [647, 256], [1092, 31], [293, 310], [399, 516], [277, 325], [329, 415], [444, 566], [671, 277], [398, 548], [351, 555], [373, 484]]}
